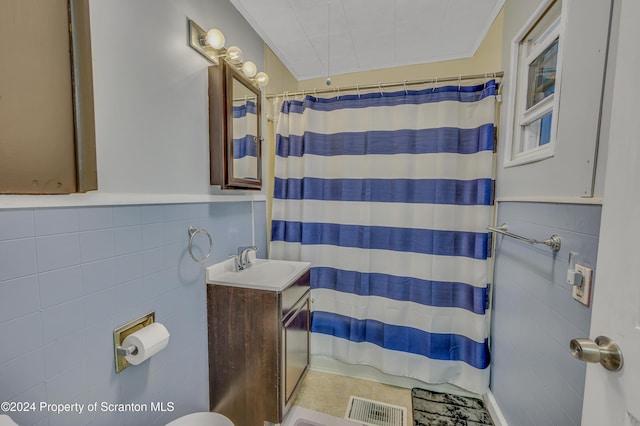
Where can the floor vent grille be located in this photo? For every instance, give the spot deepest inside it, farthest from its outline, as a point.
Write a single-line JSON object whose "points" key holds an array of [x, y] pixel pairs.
{"points": [[374, 413]]}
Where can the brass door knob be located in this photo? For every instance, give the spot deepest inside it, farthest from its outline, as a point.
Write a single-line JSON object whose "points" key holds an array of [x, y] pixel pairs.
{"points": [[602, 350]]}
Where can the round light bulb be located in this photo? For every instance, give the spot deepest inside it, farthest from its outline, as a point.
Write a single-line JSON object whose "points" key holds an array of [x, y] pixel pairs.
{"points": [[249, 69], [234, 55], [262, 79], [215, 38]]}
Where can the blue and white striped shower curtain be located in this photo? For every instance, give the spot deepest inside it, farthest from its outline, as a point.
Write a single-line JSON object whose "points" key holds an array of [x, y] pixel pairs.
{"points": [[244, 141], [388, 196]]}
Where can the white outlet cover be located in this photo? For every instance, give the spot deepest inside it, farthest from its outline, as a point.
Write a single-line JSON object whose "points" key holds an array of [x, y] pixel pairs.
{"points": [[585, 297]]}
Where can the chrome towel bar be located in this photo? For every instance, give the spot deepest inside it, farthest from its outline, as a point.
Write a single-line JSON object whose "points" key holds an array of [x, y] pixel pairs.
{"points": [[553, 241]]}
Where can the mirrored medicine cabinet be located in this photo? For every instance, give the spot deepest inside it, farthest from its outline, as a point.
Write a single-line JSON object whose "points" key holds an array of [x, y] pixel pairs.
{"points": [[234, 129]]}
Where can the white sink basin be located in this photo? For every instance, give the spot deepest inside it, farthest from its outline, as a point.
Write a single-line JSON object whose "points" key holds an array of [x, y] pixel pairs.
{"points": [[263, 274]]}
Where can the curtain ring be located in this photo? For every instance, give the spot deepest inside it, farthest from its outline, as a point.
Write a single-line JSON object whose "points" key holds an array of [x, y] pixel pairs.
{"points": [[433, 89], [406, 92], [338, 94], [459, 81], [315, 92], [380, 88], [358, 90]]}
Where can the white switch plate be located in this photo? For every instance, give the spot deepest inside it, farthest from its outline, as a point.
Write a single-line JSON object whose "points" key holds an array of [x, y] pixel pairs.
{"points": [[582, 293]]}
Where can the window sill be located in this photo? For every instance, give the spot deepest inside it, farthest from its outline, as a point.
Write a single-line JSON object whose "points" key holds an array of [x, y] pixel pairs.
{"points": [[531, 157]]}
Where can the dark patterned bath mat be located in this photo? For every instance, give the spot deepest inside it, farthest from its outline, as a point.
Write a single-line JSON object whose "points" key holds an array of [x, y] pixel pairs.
{"points": [[445, 409]]}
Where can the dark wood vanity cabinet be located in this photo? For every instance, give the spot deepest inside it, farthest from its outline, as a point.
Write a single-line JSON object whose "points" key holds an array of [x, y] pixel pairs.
{"points": [[258, 350]]}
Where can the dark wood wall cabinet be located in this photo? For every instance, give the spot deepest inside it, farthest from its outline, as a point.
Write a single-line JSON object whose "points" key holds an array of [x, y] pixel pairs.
{"points": [[47, 130], [234, 129], [258, 350]]}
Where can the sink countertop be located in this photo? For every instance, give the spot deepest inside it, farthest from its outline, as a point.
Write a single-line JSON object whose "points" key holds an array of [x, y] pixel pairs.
{"points": [[264, 274]]}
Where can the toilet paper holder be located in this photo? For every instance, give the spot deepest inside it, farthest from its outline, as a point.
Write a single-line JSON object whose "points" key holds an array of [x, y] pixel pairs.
{"points": [[121, 333], [129, 350]]}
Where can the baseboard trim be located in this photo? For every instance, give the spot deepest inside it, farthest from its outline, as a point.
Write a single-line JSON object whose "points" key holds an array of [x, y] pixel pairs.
{"points": [[494, 410]]}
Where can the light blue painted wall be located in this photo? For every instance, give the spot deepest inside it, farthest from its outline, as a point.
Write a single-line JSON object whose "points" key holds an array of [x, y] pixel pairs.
{"points": [[535, 380], [69, 276], [151, 91]]}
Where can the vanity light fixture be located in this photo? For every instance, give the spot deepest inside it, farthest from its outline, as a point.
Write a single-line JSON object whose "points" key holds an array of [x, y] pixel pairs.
{"points": [[207, 43], [215, 38], [262, 79], [210, 44], [249, 69], [234, 55]]}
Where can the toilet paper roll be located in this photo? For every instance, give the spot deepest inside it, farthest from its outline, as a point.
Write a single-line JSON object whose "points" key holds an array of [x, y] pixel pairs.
{"points": [[149, 341]]}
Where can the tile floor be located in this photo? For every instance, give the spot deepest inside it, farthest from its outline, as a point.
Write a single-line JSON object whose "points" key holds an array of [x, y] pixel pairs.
{"points": [[329, 393]]}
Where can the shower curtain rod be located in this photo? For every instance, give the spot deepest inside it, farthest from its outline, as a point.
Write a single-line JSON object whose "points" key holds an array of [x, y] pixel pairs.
{"points": [[381, 86]]}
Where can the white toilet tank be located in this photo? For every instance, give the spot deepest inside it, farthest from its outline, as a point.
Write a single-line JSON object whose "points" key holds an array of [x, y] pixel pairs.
{"points": [[201, 419], [5, 420]]}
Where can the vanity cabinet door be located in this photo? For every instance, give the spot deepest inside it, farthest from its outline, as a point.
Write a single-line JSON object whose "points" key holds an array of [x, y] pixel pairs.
{"points": [[244, 327], [295, 347]]}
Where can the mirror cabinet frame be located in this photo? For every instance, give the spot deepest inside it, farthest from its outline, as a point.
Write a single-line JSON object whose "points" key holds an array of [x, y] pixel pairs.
{"points": [[221, 79]]}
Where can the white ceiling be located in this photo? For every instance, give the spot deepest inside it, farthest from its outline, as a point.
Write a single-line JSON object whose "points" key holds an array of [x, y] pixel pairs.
{"points": [[363, 35]]}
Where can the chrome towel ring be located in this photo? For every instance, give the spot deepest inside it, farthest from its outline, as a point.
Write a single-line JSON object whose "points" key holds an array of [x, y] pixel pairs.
{"points": [[193, 231]]}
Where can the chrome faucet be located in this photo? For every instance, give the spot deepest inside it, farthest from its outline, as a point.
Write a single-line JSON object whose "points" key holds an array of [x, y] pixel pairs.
{"points": [[242, 258]]}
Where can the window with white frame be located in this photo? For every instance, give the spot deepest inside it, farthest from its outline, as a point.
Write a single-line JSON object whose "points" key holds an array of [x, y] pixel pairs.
{"points": [[535, 82]]}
